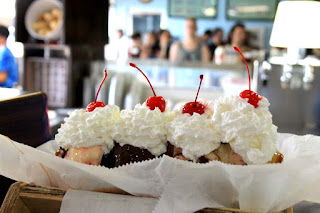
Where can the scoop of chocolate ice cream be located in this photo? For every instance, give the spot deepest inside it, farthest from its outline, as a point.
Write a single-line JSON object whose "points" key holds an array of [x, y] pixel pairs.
{"points": [[129, 154]]}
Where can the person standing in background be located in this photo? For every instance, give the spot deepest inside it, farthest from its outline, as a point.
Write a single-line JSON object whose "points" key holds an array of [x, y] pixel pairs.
{"points": [[8, 67], [206, 37], [226, 54], [165, 44], [121, 46], [191, 48], [217, 36], [150, 49], [136, 45], [119, 34]]}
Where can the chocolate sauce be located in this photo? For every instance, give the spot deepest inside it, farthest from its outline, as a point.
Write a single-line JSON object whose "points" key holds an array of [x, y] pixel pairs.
{"points": [[61, 152], [108, 160], [129, 154], [203, 159], [170, 150]]}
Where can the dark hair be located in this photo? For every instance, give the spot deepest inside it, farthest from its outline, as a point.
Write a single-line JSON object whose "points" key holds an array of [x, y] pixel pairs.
{"points": [[215, 31], [207, 32], [233, 29], [136, 35], [4, 31]]}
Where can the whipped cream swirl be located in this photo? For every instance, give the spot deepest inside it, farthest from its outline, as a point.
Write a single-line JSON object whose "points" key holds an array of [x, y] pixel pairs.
{"points": [[196, 134], [86, 129], [249, 130], [143, 128]]}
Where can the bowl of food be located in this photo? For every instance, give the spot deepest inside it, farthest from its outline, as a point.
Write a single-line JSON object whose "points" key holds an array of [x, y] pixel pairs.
{"points": [[44, 19]]}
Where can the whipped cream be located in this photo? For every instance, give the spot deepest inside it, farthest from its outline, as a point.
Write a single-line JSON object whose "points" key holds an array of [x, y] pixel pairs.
{"points": [[86, 129], [196, 134], [143, 128], [249, 130]]}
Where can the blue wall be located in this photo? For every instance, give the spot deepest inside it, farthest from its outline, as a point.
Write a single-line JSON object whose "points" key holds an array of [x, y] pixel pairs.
{"points": [[176, 25]]}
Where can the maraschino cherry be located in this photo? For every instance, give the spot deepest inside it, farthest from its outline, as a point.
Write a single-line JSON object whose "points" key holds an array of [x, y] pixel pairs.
{"points": [[253, 97], [96, 103], [194, 107], [153, 101]]}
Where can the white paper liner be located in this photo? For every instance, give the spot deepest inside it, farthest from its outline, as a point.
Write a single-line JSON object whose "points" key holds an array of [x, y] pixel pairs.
{"points": [[84, 201], [183, 186]]}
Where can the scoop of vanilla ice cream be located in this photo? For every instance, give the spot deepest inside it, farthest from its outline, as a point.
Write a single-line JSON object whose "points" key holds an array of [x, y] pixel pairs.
{"points": [[196, 135], [143, 128], [86, 129], [249, 130]]}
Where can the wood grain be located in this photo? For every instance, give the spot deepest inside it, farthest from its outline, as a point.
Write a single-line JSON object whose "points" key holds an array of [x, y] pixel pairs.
{"points": [[22, 197]]}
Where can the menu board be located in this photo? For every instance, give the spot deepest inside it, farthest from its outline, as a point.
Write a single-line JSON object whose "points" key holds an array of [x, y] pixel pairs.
{"points": [[192, 8], [251, 10]]}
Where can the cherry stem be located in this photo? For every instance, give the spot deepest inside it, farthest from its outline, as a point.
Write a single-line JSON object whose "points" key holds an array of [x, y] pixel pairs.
{"points": [[195, 100], [135, 66], [105, 76], [237, 49]]}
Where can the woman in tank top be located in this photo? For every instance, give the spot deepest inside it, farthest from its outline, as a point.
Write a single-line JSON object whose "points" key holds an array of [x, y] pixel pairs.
{"points": [[191, 48]]}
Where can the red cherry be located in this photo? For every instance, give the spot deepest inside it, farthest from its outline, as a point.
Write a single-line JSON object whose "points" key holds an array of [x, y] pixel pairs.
{"points": [[253, 97], [156, 101], [153, 101], [194, 107], [96, 103]]}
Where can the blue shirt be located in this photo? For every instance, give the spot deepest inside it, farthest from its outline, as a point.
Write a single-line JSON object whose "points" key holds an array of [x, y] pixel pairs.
{"points": [[8, 64]]}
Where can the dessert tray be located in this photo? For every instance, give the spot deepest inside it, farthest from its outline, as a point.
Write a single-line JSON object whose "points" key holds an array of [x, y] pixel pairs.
{"points": [[178, 184]]}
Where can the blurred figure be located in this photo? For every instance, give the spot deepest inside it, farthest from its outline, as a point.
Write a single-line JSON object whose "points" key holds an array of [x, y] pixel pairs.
{"points": [[206, 37], [316, 52], [8, 67], [226, 54], [119, 33], [119, 46], [191, 48], [136, 45], [217, 36], [151, 48], [165, 44], [237, 36]]}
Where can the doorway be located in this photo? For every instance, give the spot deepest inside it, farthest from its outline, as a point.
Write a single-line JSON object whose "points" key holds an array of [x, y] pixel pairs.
{"points": [[146, 23], [146, 20]]}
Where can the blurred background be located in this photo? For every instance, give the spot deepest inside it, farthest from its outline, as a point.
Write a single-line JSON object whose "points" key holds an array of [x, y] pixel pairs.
{"points": [[61, 47]]}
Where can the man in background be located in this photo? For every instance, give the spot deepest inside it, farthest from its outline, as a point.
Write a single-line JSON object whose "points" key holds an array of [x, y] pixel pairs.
{"points": [[8, 66], [191, 48]]}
